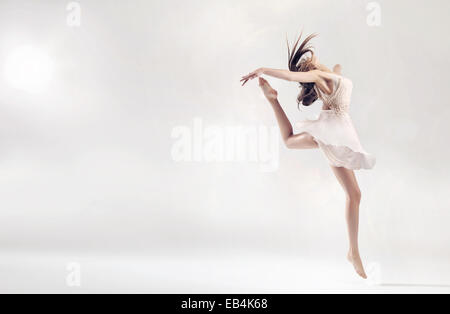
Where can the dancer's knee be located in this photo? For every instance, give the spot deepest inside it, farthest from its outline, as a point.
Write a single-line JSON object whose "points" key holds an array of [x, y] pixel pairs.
{"points": [[354, 195], [300, 141], [289, 143]]}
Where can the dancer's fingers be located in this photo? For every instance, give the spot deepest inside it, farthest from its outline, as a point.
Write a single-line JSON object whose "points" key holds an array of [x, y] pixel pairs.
{"points": [[249, 76]]}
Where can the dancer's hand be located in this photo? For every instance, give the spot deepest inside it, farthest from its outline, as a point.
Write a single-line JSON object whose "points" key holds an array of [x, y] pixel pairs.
{"points": [[251, 76]]}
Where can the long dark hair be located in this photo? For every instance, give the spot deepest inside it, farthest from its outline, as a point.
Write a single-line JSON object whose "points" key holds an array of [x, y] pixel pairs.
{"points": [[297, 63]]}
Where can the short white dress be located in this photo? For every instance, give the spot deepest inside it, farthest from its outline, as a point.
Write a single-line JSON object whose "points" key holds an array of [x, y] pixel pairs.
{"points": [[334, 130]]}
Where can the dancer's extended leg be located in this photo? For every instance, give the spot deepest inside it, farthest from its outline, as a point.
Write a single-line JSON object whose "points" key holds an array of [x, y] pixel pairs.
{"points": [[292, 141], [348, 181], [346, 177]]}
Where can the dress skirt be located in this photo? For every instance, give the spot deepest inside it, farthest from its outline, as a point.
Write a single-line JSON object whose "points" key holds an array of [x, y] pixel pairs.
{"points": [[338, 140]]}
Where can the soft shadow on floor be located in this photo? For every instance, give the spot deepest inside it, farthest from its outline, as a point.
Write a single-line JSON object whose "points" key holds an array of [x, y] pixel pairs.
{"points": [[414, 285]]}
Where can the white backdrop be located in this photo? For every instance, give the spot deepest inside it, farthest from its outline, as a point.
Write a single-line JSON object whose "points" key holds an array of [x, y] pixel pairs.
{"points": [[98, 160]]}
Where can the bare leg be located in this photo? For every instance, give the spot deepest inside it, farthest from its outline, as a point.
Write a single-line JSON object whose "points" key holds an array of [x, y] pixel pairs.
{"points": [[346, 177], [348, 181], [298, 141]]}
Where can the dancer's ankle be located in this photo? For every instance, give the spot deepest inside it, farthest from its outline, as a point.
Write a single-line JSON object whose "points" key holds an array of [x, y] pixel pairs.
{"points": [[353, 252]]}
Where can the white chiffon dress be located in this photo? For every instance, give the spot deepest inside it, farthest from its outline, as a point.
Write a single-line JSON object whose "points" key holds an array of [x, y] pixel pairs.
{"points": [[334, 131]]}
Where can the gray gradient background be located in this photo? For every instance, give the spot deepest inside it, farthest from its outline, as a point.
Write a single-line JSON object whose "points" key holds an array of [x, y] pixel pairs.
{"points": [[87, 166]]}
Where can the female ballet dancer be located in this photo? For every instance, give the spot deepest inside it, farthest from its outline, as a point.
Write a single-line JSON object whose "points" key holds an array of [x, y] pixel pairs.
{"points": [[333, 132]]}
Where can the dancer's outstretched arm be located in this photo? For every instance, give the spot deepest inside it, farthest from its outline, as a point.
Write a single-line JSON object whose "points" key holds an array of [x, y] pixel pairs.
{"points": [[322, 79], [301, 77]]}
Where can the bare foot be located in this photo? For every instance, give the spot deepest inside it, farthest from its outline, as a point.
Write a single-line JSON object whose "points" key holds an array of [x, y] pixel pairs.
{"points": [[355, 259], [269, 92]]}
